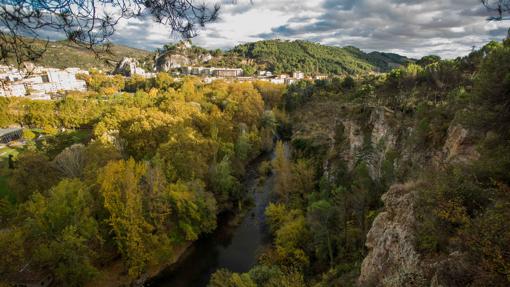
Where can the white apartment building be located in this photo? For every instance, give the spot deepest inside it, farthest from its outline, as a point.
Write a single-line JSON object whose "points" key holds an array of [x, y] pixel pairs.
{"points": [[278, 81], [49, 80], [298, 75], [15, 90]]}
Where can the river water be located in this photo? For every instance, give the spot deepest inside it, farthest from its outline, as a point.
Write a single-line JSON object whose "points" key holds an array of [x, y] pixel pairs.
{"points": [[231, 246]]}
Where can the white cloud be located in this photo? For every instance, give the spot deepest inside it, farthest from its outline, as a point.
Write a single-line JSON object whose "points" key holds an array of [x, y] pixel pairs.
{"points": [[414, 28]]}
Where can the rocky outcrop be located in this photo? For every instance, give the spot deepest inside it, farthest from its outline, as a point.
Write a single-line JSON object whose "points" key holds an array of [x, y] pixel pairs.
{"points": [[167, 62], [180, 55], [355, 140], [458, 147], [383, 138], [392, 257], [129, 67], [378, 132]]}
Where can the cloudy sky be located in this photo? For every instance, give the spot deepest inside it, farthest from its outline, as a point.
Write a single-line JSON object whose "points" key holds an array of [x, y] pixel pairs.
{"points": [[448, 28]]}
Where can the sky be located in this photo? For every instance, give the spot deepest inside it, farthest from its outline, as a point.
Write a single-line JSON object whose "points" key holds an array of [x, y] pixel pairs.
{"points": [[414, 28]]}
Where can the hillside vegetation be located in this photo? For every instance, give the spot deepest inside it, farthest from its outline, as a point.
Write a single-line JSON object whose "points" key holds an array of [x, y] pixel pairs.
{"points": [[64, 54], [399, 179], [274, 55], [287, 56], [394, 179]]}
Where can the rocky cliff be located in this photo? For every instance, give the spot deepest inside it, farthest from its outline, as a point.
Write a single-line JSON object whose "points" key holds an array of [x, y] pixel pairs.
{"points": [[129, 67], [385, 140], [393, 258], [181, 55]]}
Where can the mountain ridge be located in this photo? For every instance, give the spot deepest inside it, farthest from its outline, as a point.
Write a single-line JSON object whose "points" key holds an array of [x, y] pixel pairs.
{"points": [[277, 56]]}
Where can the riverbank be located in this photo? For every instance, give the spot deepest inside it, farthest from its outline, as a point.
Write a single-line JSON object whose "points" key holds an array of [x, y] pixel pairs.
{"points": [[234, 245], [114, 275], [190, 256]]}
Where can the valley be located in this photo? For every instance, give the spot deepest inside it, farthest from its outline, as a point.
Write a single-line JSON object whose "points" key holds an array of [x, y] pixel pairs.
{"points": [[292, 161]]}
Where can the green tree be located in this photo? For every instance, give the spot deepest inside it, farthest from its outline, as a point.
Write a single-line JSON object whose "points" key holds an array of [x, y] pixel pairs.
{"points": [[195, 210], [320, 217], [282, 168], [13, 251], [120, 189], [33, 173], [62, 230], [224, 185]]}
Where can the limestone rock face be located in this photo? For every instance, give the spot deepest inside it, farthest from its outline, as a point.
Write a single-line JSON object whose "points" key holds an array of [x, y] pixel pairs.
{"points": [[394, 261], [392, 256], [355, 141], [129, 67], [457, 147], [383, 138], [166, 62]]}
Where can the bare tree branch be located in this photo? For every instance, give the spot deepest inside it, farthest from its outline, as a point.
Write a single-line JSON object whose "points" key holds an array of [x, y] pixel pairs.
{"points": [[502, 7]]}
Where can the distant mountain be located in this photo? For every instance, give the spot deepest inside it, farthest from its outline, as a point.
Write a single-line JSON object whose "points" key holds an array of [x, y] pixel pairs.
{"points": [[287, 56], [63, 54]]}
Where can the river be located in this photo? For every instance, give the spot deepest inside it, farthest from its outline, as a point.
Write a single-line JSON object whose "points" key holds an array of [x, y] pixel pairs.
{"points": [[231, 246]]}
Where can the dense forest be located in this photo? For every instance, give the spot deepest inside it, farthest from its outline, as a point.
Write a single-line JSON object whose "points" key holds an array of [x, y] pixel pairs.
{"points": [[131, 177], [281, 56], [134, 170]]}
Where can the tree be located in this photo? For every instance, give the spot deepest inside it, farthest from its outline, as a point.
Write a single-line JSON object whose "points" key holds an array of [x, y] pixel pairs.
{"points": [[282, 168], [13, 252], [33, 173], [61, 228], [247, 104], [224, 185], [186, 155], [225, 278], [71, 161], [163, 81], [195, 210], [121, 191], [89, 23], [486, 239], [28, 135], [492, 86], [501, 7], [320, 217], [303, 180], [427, 60]]}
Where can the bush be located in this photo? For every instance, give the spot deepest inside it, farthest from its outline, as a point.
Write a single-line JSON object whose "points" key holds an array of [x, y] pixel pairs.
{"points": [[265, 168]]}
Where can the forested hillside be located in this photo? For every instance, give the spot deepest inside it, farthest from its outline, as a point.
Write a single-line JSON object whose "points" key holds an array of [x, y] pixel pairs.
{"points": [[273, 55], [288, 56], [65, 54]]}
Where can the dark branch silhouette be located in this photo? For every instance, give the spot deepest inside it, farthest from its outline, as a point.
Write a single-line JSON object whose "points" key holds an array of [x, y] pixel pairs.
{"points": [[88, 23], [501, 7]]}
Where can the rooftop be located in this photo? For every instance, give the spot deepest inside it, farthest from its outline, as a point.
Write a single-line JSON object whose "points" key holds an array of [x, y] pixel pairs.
{"points": [[8, 131]]}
